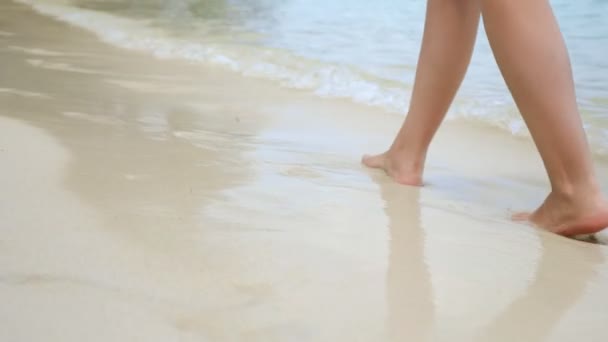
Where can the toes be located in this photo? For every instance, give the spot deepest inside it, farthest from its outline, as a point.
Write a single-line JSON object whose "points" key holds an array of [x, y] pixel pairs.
{"points": [[521, 217], [376, 161]]}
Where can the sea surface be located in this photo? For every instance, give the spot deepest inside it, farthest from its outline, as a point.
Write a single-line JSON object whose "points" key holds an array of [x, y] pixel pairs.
{"points": [[365, 51]]}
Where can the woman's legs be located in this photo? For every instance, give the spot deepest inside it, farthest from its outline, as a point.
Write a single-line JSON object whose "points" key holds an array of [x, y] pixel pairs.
{"points": [[532, 57], [449, 36], [530, 51]]}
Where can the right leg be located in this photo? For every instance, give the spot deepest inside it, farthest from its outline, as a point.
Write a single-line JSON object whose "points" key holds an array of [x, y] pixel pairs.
{"points": [[449, 36], [532, 56]]}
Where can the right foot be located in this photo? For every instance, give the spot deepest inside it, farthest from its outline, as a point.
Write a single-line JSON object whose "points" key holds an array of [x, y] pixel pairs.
{"points": [[582, 215], [398, 168]]}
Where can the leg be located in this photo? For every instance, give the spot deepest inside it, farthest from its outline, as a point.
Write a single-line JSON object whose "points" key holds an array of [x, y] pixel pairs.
{"points": [[533, 59], [447, 46]]}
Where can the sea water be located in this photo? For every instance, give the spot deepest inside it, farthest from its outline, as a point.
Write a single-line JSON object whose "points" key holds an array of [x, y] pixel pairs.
{"points": [[365, 51]]}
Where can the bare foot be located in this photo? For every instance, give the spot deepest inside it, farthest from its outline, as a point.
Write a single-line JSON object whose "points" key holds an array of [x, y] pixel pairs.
{"points": [[569, 215], [398, 168]]}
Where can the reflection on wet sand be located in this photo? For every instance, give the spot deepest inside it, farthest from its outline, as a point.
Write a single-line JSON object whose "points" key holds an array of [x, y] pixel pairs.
{"points": [[564, 271], [409, 289], [553, 292]]}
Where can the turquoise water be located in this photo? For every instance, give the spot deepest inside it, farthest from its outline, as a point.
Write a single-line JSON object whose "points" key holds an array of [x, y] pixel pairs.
{"points": [[358, 49]]}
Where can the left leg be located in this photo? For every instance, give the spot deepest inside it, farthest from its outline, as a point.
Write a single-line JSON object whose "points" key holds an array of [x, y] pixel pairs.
{"points": [[447, 45]]}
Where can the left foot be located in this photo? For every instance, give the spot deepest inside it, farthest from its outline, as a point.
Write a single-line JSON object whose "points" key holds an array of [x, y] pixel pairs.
{"points": [[570, 215], [396, 165]]}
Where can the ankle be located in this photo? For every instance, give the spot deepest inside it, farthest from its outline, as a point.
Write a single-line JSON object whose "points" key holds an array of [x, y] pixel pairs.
{"points": [[577, 192], [405, 160]]}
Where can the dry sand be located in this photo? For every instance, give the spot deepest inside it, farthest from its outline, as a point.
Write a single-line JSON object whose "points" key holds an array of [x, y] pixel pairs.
{"points": [[149, 200]]}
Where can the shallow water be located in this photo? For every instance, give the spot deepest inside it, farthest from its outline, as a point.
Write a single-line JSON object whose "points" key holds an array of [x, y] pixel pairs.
{"points": [[362, 50]]}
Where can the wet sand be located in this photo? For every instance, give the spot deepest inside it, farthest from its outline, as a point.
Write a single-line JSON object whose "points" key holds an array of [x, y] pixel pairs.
{"points": [[153, 200]]}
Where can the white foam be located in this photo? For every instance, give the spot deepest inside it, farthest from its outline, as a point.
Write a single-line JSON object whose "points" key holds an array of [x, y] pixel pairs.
{"points": [[325, 80]]}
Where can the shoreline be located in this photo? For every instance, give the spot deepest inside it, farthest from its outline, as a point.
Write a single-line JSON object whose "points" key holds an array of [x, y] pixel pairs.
{"points": [[339, 81], [155, 200]]}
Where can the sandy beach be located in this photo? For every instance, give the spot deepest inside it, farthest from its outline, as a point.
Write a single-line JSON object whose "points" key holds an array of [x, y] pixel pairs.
{"points": [[155, 200]]}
